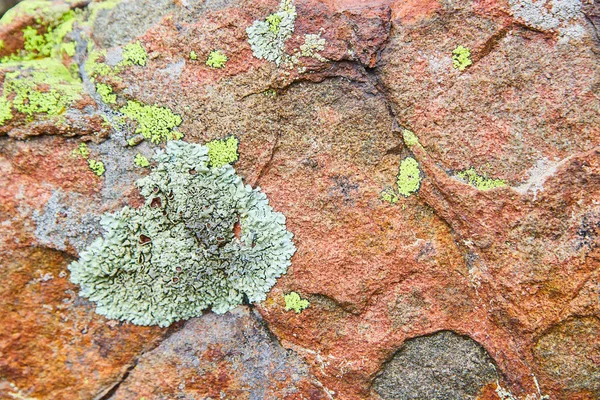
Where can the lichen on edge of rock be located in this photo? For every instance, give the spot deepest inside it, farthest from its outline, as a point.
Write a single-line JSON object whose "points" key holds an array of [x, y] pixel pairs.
{"points": [[267, 38]]}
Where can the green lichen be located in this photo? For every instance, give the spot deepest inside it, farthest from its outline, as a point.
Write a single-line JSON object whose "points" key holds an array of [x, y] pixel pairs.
{"points": [[194, 55], [95, 68], [313, 44], [134, 54], [481, 182], [410, 139], [41, 86], [267, 38], [294, 302], [461, 58], [178, 254], [389, 195], [81, 150], [106, 93], [216, 59], [409, 177], [141, 161], [5, 110], [97, 167], [154, 123], [222, 152], [43, 11]]}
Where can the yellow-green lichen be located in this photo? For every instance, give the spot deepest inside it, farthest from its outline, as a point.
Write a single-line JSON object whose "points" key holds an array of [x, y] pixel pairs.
{"points": [[41, 86], [43, 11], [134, 54], [95, 68], [81, 150], [410, 139], [154, 123], [461, 58], [5, 110], [389, 195], [293, 301], [481, 182], [193, 55], [97, 167], [141, 161], [106, 93], [95, 7], [216, 59], [409, 177], [222, 152]]}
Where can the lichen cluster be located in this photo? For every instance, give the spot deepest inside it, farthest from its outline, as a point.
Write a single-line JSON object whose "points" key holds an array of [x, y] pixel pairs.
{"points": [[481, 182], [267, 38], [293, 301], [409, 177], [154, 123], [223, 151], [461, 58], [216, 59], [179, 254]]}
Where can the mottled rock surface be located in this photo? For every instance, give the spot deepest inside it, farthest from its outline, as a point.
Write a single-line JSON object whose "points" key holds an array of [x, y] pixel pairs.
{"points": [[510, 275]]}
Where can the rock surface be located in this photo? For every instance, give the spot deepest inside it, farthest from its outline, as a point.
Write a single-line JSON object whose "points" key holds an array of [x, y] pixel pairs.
{"points": [[510, 276]]}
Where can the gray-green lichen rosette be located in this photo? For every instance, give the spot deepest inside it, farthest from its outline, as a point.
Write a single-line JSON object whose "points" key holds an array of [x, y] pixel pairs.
{"points": [[178, 254]]}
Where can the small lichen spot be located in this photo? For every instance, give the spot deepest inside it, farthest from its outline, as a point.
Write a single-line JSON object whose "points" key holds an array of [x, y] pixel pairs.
{"points": [[216, 59], [481, 182], [409, 177], [141, 161], [293, 301], [97, 167], [223, 151], [461, 58]]}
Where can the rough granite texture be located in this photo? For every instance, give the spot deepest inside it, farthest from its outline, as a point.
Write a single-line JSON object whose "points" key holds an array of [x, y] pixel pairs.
{"points": [[510, 275]]}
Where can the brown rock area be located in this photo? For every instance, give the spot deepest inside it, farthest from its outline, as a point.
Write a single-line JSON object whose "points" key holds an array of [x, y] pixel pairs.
{"points": [[451, 293]]}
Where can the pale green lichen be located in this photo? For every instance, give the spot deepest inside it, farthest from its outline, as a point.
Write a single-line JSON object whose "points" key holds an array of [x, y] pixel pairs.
{"points": [[410, 139], [141, 161], [194, 55], [178, 254], [81, 150], [293, 301], [134, 54], [216, 59], [481, 182], [461, 58], [313, 43], [223, 151], [154, 123], [106, 93], [267, 38], [97, 167], [41, 86], [409, 177]]}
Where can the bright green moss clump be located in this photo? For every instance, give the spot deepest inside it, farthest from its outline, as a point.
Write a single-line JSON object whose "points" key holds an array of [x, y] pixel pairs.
{"points": [[461, 58], [409, 177], [5, 110], [216, 59], [222, 152], [294, 302], [81, 150], [134, 54], [194, 56], [267, 38], [479, 181], [156, 124], [410, 139], [178, 254]]}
